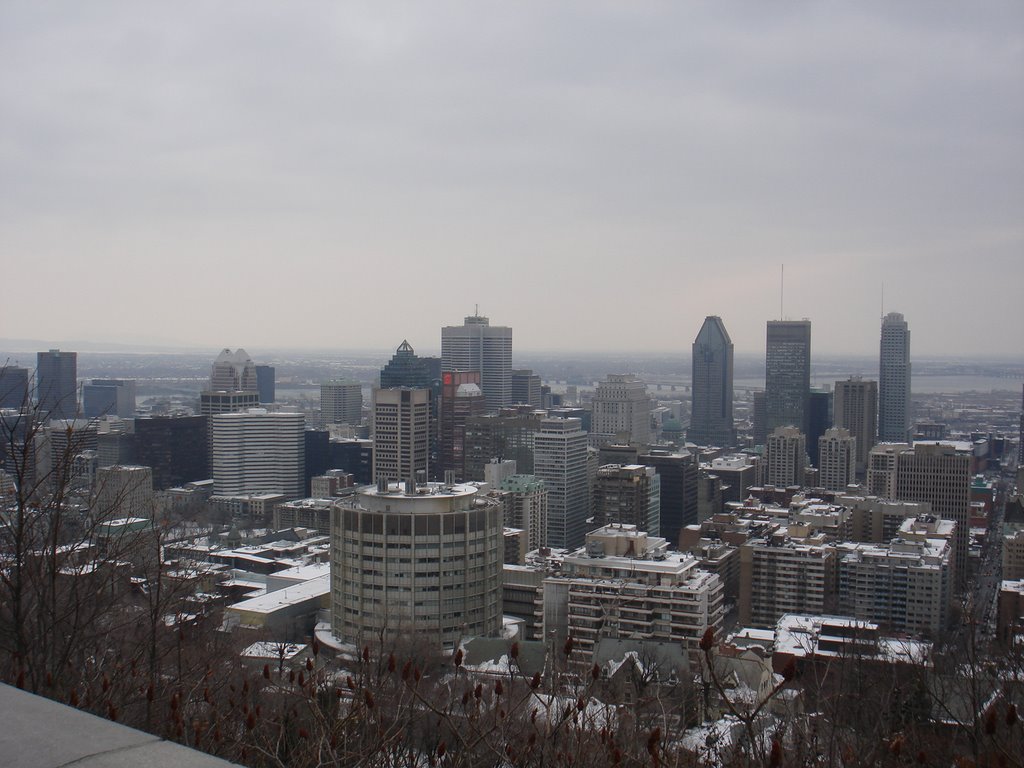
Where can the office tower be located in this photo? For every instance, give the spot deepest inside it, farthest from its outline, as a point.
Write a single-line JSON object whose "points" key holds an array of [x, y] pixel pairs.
{"points": [[626, 584], [214, 403], [738, 472], [711, 415], [176, 447], [620, 411], [401, 434], [257, 452], [115, 442], [787, 374], [894, 380], [678, 474], [233, 372], [123, 491], [317, 460], [786, 457], [560, 460], [881, 474], [341, 401], [479, 346], [108, 397], [266, 383], [13, 387], [940, 474], [628, 495], [416, 561], [406, 369], [355, 456], [509, 434], [526, 508], [819, 418], [856, 409], [57, 384], [837, 459], [461, 399], [526, 387]]}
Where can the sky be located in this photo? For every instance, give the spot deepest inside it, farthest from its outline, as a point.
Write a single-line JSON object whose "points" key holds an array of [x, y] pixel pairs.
{"points": [[599, 176]]}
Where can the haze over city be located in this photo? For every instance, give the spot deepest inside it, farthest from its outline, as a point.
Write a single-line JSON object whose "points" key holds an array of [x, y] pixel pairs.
{"points": [[597, 176]]}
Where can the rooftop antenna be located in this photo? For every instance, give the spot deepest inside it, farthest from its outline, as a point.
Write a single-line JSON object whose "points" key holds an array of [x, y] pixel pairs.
{"points": [[883, 301], [782, 293]]}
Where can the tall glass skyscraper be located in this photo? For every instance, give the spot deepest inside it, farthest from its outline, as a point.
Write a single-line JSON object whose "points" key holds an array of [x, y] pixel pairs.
{"points": [[787, 374], [894, 380], [711, 417], [479, 346], [57, 384]]}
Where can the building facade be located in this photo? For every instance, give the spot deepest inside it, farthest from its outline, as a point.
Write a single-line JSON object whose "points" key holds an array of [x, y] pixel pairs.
{"points": [[621, 411], [787, 374], [401, 434], [461, 400], [422, 560], [233, 371], [560, 460], [856, 409], [894, 380], [837, 452], [476, 345], [628, 494], [257, 452], [57, 384], [785, 457], [108, 397], [341, 401], [711, 415]]}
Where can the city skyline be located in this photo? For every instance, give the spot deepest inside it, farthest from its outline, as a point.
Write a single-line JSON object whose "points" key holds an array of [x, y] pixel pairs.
{"points": [[542, 157]]}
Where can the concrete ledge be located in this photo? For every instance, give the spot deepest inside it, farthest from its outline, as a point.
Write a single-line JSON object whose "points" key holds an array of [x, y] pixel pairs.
{"points": [[39, 733]]}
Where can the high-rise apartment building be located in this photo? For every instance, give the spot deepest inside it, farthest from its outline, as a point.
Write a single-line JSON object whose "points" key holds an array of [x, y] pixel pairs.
{"points": [[57, 384], [526, 387], [621, 411], [461, 399], [479, 346], [836, 459], [711, 418], [123, 491], [401, 434], [894, 380], [628, 494], [560, 460], [787, 374], [526, 508], [341, 401], [108, 397], [14, 391], [780, 575], [856, 409], [233, 371], [266, 383], [413, 560], [626, 584], [258, 452], [786, 457]]}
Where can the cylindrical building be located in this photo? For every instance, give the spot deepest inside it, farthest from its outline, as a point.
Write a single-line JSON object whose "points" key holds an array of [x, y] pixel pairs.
{"points": [[423, 559]]}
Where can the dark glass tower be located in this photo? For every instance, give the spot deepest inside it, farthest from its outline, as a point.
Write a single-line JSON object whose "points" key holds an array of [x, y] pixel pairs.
{"points": [[894, 380], [57, 384], [787, 374], [711, 418]]}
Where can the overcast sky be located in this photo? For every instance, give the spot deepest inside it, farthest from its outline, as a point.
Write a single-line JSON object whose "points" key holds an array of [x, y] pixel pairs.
{"points": [[596, 175]]}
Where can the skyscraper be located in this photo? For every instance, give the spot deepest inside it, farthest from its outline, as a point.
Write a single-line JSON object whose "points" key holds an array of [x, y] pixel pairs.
{"points": [[233, 372], [560, 460], [108, 397], [258, 452], [786, 457], [401, 431], [405, 369], [856, 409], [787, 374], [628, 494], [526, 387], [341, 401], [461, 399], [621, 411], [13, 386], [479, 346], [836, 459], [266, 383], [711, 419], [894, 380], [56, 384]]}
